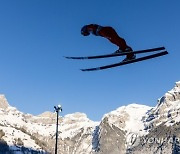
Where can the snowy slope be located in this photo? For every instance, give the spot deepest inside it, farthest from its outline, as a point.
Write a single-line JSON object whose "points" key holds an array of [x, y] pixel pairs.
{"points": [[14, 126], [129, 118]]}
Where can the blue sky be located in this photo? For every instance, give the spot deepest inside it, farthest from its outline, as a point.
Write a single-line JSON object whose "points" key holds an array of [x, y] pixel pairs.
{"points": [[36, 34]]}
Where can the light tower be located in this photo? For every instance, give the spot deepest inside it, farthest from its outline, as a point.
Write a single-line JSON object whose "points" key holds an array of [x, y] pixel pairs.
{"points": [[57, 109]]}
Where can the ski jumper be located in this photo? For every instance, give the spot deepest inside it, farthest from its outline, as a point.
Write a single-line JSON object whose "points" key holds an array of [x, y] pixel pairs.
{"points": [[108, 33]]}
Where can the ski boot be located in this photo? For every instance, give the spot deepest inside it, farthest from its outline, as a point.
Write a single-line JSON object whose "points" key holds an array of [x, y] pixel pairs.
{"points": [[121, 51], [130, 56]]}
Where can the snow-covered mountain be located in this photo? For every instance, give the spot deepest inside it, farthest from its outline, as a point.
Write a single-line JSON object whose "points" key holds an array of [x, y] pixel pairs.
{"points": [[129, 129], [28, 133], [142, 129]]}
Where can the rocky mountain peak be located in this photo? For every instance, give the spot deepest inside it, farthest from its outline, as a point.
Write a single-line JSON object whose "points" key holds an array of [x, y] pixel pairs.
{"points": [[3, 102], [47, 114], [171, 96], [76, 117], [167, 110]]}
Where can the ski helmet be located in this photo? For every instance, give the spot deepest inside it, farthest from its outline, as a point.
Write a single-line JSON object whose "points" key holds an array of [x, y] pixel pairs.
{"points": [[84, 31]]}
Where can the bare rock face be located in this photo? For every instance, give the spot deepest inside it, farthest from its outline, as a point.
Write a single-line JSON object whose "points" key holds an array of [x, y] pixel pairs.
{"points": [[110, 139]]}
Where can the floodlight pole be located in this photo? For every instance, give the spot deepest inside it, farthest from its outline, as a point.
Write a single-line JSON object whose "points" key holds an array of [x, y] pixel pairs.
{"points": [[57, 109]]}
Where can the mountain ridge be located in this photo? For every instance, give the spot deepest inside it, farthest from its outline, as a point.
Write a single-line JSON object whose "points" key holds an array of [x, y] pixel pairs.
{"points": [[129, 129]]}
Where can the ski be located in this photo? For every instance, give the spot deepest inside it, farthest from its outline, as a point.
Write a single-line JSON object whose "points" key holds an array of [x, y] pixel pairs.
{"points": [[127, 62], [118, 54]]}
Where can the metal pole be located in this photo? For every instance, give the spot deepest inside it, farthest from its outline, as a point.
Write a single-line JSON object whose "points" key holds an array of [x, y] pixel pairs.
{"points": [[56, 132], [57, 109]]}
